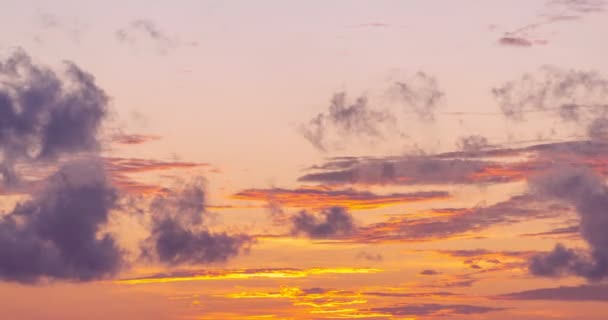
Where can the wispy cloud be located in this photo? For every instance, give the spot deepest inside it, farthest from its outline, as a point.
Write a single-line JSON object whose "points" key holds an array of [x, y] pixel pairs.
{"points": [[238, 274], [319, 197], [578, 293], [147, 32]]}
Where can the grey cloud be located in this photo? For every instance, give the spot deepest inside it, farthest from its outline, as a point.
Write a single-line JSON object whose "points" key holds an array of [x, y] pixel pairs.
{"points": [[419, 94], [179, 232], [579, 6], [356, 119], [147, 31], [334, 222], [588, 193], [430, 309], [578, 293], [56, 234], [456, 222], [515, 41], [561, 91], [429, 272], [481, 166], [43, 114], [472, 143]]}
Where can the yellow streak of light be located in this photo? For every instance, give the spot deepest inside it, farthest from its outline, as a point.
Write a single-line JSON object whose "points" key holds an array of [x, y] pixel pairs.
{"points": [[247, 274]]}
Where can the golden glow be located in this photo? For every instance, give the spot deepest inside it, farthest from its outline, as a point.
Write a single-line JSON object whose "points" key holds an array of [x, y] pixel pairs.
{"points": [[249, 274]]}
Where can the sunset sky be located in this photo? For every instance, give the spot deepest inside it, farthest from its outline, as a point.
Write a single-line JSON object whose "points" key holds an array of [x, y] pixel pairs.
{"points": [[320, 159]]}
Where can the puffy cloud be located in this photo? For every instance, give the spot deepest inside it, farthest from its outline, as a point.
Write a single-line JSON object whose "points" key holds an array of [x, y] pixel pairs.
{"points": [[179, 234], [334, 222], [57, 233], [588, 193], [43, 114]]}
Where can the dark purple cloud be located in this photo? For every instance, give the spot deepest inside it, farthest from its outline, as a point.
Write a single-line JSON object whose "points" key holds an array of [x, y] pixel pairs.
{"points": [[334, 222], [57, 234], [431, 309], [588, 193], [44, 114], [578, 293], [179, 234]]}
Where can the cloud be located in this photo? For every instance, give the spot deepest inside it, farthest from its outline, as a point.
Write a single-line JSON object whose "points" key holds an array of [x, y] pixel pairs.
{"points": [[334, 222], [364, 255], [43, 114], [489, 261], [132, 139], [472, 143], [562, 231], [515, 41], [489, 165], [421, 170], [588, 193], [433, 309], [578, 293], [318, 198], [56, 234], [579, 6], [551, 89], [239, 274], [347, 119], [555, 11], [73, 28], [147, 31], [178, 231], [429, 272], [419, 93], [455, 222], [122, 169]]}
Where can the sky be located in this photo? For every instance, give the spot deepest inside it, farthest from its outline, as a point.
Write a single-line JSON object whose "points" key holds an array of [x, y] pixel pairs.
{"points": [[413, 159]]}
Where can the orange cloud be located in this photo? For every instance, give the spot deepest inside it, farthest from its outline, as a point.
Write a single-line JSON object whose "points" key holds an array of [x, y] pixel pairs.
{"points": [[316, 198], [269, 273]]}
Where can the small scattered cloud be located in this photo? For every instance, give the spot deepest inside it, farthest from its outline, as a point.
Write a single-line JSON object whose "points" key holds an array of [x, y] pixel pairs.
{"points": [[587, 192], [240, 274], [148, 33], [133, 139], [429, 272], [330, 223], [434, 309]]}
